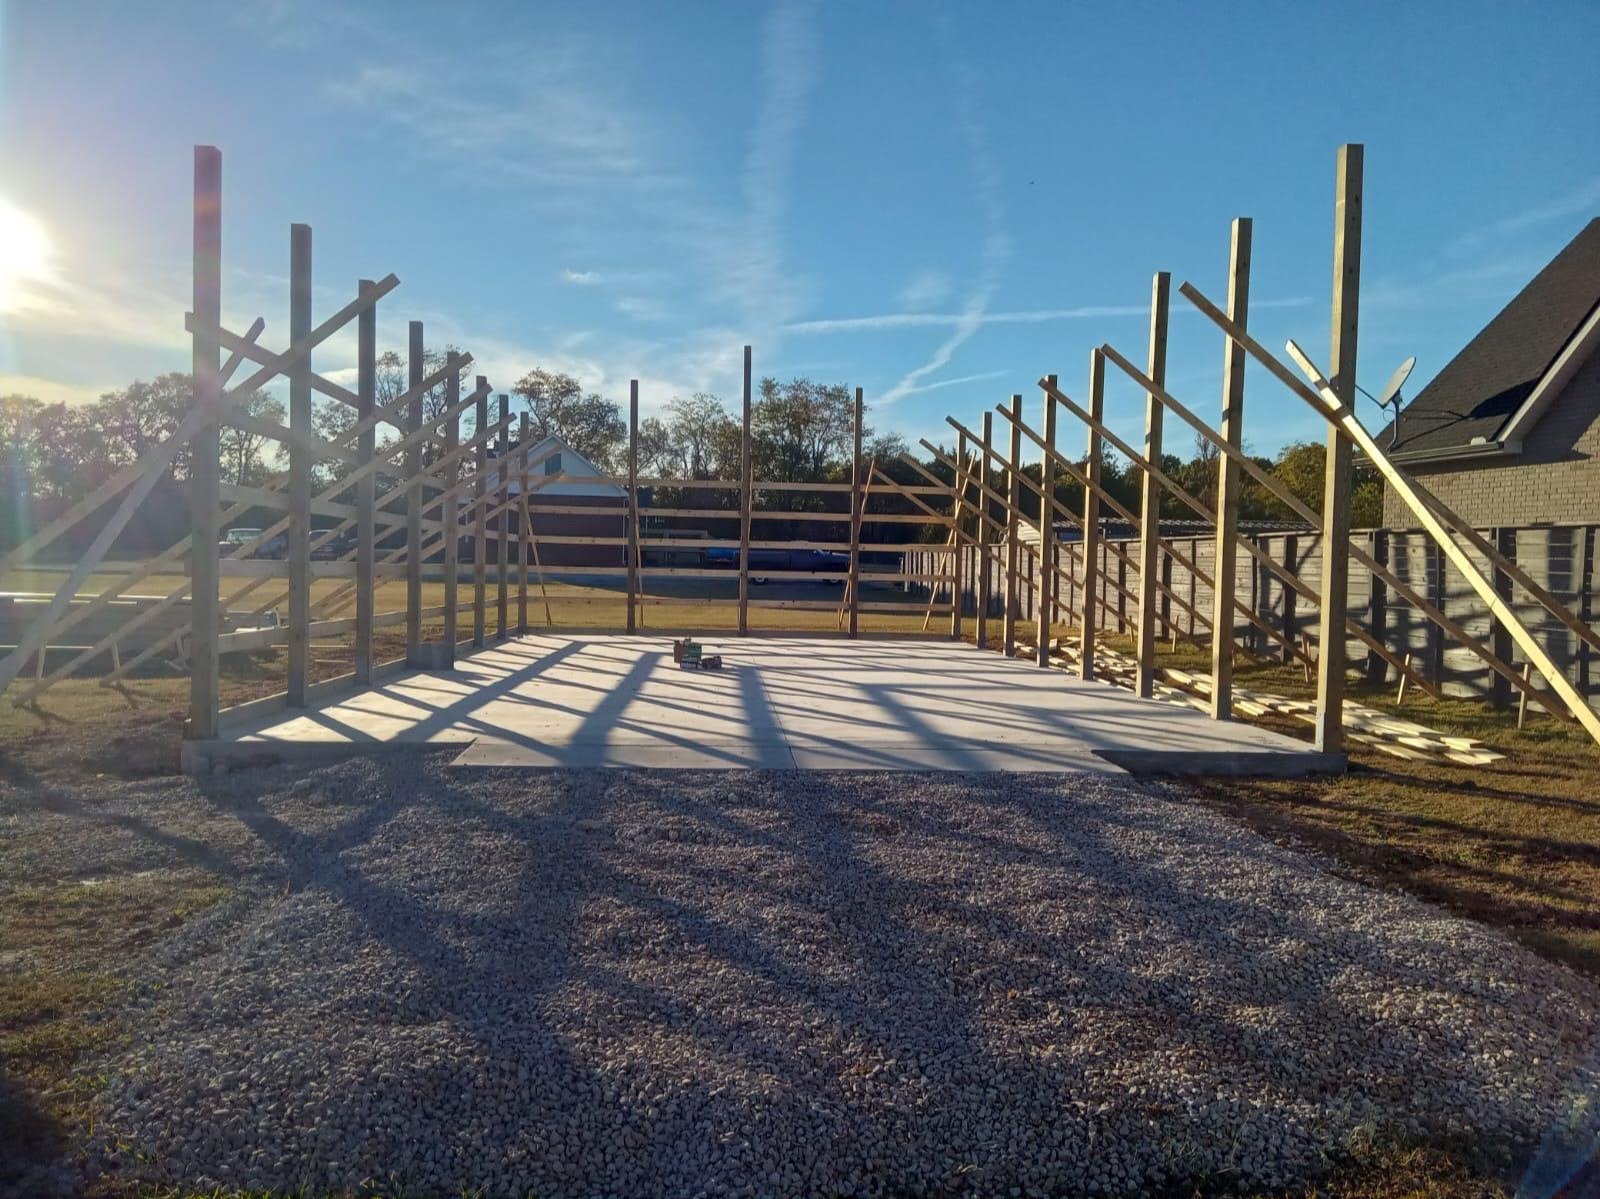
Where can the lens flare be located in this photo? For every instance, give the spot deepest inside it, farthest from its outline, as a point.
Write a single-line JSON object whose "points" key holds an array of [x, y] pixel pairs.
{"points": [[25, 254]]}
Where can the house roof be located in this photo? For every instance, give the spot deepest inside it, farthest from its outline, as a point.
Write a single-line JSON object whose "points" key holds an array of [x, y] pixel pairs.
{"points": [[554, 457], [1504, 377]]}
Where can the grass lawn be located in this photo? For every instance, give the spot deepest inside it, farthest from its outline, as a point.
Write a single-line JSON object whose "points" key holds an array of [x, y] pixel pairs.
{"points": [[1514, 844]]}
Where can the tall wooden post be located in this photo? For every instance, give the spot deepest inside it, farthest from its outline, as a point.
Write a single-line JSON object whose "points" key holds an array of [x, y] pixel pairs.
{"points": [[745, 478], [502, 492], [366, 548], [1092, 552], [1046, 605], [985, 573], [522, 527], [205, 468], [1008, 618], [1378, 606], [449, 513], [1150, 490], [1331, 647], [297, 552], [480, 549], [413, 470], [957, 565], [633, 504], [1232, 430], [857, 503], [1505, 540]]}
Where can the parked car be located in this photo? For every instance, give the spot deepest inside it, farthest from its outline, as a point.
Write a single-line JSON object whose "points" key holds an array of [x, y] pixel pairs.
{"points": [[335, 547], [234, 538], [763, 560]]}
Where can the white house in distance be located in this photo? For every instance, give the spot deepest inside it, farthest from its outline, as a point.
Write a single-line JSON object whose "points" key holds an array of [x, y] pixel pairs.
{"points": [[609, 500]]}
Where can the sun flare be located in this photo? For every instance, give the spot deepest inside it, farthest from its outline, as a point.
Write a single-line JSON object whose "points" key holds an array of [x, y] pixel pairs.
{"points": [[25, 254]]}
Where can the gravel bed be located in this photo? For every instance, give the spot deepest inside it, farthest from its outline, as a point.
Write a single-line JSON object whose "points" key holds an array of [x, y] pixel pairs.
{"points": [[741, 983]]}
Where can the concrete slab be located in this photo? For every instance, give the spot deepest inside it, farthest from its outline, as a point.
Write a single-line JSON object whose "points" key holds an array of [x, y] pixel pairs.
{"points": [[778, 703]]}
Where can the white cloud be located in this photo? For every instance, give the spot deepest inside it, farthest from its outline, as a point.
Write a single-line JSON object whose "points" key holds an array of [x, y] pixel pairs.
{"points": [[1035, 316], [943, 383], [580, 278], [53, 391]]}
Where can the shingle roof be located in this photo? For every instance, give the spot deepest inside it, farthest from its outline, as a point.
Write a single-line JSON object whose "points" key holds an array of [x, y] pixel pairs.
{"points": [[1480, 389]]}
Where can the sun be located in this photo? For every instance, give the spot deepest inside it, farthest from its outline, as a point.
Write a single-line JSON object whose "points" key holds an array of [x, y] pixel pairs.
{"points": [[25, 254]]}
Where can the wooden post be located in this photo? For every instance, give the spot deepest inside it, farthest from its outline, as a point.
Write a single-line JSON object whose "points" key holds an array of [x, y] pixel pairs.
{"points": [[958, 497], [1586, 610], [633, 503], [1434, 564], [523, 532], [502, 494], [985, 574], [1013, 565], [1331, 648], [1045, 603], [298, 545], [366, 393], [1378, 605], [855, 523], [204, 475], [413, 469], [1291, 557], [1091, 519], [480, 552], [745, 478], [1505, 540], [1150, 490], [1224, 575], [449, 514], [1522, 697]]}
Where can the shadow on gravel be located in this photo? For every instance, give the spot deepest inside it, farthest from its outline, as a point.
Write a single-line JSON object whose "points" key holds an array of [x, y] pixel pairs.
{"points": [[30, 1136]]}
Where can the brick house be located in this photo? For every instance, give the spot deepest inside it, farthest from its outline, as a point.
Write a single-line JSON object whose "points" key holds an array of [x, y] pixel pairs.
{"points": [[1509, 431]]}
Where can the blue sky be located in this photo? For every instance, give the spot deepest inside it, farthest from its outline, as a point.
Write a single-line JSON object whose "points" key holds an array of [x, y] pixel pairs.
{"points": [[938, 203]]}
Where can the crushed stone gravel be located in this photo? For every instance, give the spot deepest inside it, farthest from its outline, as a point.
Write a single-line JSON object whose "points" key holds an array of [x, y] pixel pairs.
{"points": [[748, 983]]}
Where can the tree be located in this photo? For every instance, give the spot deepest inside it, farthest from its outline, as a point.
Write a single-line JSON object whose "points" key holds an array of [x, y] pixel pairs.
{"points": [[801, 429], [558, 406], [698, 439]]}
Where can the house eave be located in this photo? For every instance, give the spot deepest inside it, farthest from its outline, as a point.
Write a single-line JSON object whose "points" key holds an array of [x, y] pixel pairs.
{"points": [[1458, 453]]}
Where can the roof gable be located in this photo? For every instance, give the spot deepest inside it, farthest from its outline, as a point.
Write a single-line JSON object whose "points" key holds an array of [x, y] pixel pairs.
{"points": [[1479, 391]]}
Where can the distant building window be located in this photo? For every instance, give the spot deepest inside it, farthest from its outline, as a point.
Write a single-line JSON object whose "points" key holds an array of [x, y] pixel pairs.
{"points": [[552, 464]]}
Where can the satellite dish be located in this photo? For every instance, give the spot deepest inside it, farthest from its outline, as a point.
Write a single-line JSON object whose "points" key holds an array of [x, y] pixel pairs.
{"points": [[1391, 389]]}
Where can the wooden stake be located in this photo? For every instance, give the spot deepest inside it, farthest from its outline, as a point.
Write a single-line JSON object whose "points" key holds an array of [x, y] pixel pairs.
{"points": [[1008, 619], [633, 503], [1331, 649], [1522, 699], [1224, 576], [958, 492], [856, 506], [1091, 517], [745, 478], [298, 551], [1150, 492], [367, 392], [205, 465], [480, 550], [1045, 603]]}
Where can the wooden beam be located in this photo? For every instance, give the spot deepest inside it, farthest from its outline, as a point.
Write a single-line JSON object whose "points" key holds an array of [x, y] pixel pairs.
{"points": [[984, 571], [1091, 515], [1224, 574], [480, 549], [633, 505], [958, 495], [503, 489], [1008, 620], [298, 546], [449, 517], [522, 528], [413, 469], [1331, 615], [205, 448], [1150, 492], [1045, 603], [366, 487], [856, 506], [745, 477]]}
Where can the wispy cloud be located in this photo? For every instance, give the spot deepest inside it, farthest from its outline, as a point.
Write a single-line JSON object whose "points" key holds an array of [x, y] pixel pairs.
{"points": [[925, 288], [580, 278], [1583, 200], [1035, 316], [943, 383], [995, 251]]}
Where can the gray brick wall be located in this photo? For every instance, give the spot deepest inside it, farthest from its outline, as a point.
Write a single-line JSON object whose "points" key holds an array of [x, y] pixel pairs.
{"points": [[1556, 478]]}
